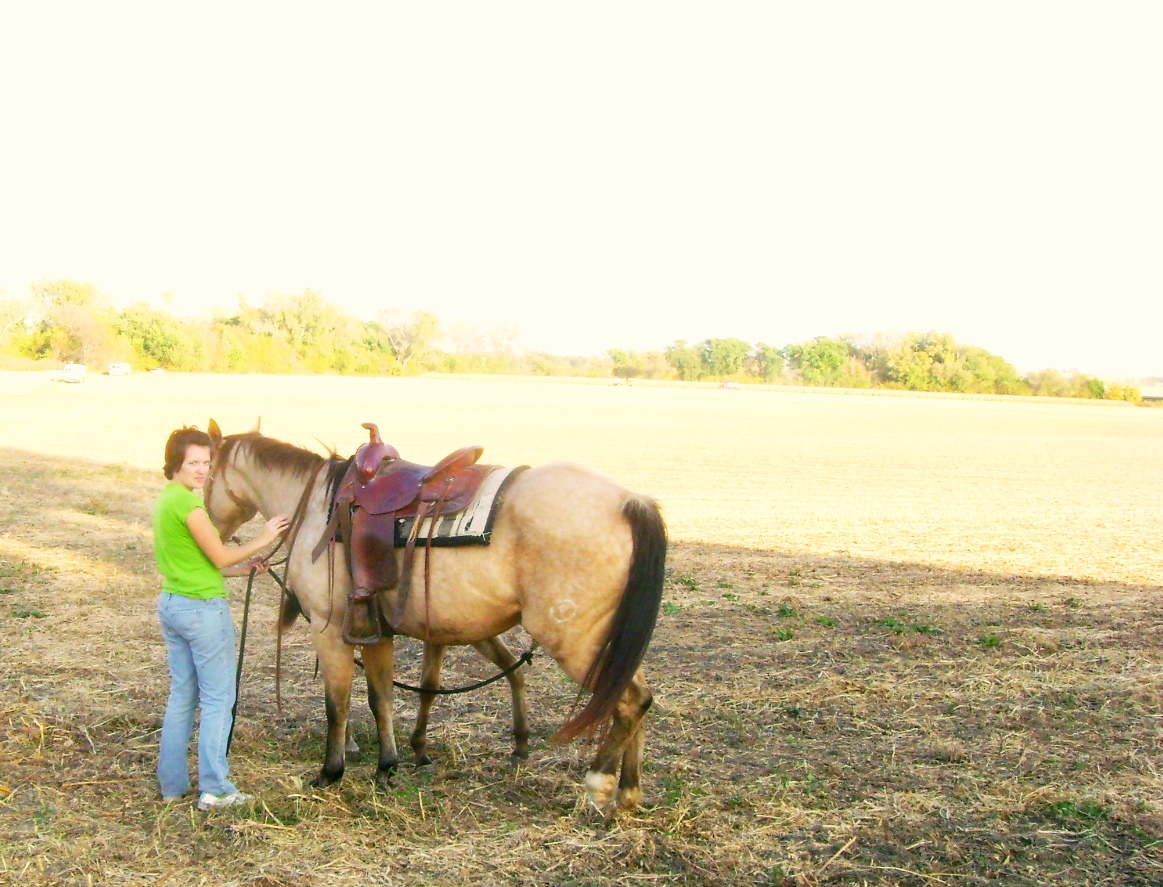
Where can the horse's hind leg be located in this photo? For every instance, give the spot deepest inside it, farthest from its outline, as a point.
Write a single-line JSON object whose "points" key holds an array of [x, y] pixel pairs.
{"points": [[378, 669], [630, 780], [623, 745], [429, 680], [496, 652]]}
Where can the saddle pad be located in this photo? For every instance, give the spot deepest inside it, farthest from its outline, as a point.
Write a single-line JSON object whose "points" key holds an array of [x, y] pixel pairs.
{"points": [[473, 525]]}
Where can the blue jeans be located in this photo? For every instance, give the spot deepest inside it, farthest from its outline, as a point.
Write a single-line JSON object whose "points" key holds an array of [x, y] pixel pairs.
{"points": [[200, 640]]}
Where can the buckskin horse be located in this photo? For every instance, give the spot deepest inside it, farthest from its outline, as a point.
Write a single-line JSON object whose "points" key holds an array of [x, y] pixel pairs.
{"points": [[573, 557]]}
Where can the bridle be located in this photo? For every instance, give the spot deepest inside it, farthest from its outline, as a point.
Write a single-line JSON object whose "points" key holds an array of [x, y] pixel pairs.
{"points": [[207, 486]]}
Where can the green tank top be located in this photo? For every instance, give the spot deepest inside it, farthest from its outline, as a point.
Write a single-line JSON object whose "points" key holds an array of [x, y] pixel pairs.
{"points": [[184, 566]]}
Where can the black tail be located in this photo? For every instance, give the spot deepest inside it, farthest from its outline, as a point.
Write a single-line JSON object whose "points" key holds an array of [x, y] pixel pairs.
{"points": [[632, 626]]}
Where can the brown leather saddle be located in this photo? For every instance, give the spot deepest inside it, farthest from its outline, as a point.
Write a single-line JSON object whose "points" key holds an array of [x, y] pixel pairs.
{"points": [[378, 489]]}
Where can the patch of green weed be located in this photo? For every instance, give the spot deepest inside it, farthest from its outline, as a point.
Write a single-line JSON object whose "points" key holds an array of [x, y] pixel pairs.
{"points": [[1086, 810], [906, 624]]}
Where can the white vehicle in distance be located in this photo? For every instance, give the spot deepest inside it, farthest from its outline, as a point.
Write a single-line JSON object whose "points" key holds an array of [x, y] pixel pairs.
{"points": [[74, 372], [119, 369]]}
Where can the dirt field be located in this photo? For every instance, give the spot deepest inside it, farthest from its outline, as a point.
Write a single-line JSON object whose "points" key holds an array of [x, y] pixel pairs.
{"points": [[905, 640]]}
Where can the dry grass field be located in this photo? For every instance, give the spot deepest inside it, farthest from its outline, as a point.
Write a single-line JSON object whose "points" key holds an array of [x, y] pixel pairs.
{"points": [[905, 640]]}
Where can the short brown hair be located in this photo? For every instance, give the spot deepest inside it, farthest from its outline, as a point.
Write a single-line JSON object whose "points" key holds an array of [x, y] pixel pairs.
{"points": [[180, 440]]}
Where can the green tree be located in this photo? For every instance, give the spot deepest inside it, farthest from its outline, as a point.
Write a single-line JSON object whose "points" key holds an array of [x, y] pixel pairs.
{"points": [[627, 364], [723, 357], [766, 362], [1005, 379], [820, 361], [908, 368], [936, 362], [323, 337], [686, 361], [158, 339]]}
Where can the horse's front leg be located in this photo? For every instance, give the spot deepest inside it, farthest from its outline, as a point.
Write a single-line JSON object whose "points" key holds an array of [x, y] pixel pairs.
{"points": [[377, 666], [337, 664]]}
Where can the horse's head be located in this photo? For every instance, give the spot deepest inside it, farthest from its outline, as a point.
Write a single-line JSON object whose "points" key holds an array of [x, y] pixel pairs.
{"points": [[229, 507]]}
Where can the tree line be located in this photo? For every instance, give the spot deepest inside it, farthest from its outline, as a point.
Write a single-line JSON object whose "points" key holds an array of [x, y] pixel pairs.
{"points": [[64, 320]]}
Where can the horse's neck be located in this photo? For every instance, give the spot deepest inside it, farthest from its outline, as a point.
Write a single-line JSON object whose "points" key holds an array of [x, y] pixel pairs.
{"points": [[305, 573], [278, 492]]}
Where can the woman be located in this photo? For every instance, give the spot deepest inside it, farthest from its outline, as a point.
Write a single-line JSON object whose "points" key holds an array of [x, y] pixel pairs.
{"points": [[196, 624]]}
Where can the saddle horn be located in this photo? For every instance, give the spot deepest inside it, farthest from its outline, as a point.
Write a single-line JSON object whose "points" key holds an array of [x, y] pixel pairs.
{"points": [[371, 455]]}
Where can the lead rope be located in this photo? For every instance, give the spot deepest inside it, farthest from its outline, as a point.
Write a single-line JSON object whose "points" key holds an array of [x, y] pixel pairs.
{"points": [[241, 653], [525, 658]]}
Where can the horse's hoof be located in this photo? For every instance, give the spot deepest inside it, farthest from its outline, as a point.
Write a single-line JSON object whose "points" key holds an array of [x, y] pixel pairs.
{"points": [[385, 772], [600, 789], [423, 760], [325, 779], [519, 758], [628, 799]]}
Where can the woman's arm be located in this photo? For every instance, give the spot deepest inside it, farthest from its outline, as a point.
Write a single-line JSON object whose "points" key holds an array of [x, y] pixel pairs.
{"points": [[222, 555], [258, 564]]}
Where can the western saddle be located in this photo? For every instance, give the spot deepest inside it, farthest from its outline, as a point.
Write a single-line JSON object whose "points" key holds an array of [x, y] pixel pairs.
{"points": [[378, 489]]}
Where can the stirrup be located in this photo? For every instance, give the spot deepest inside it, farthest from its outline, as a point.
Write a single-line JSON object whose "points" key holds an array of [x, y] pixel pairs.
{"points": [[363, 629]]}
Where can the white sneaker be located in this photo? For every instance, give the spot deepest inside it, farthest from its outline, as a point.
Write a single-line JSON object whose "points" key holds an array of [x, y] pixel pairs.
{"points": [[218, 802]]}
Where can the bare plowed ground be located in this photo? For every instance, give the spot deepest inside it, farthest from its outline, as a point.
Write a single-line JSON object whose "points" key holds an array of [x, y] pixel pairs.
{"points": [[904, 640]]}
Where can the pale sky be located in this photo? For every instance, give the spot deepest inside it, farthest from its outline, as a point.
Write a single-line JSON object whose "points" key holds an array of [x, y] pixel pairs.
{"points": [[606, 174]]}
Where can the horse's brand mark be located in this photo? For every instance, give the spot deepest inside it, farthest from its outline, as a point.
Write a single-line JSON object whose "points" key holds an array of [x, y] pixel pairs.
{"points": [[563, 611]]}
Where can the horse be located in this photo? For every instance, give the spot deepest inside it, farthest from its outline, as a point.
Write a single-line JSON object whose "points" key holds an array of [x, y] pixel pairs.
{"points": [[492, 649], [575, 558]]}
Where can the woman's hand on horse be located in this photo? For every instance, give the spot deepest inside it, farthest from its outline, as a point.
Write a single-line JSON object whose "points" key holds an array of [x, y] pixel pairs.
{"points": [[275, 528], [206, 535]]}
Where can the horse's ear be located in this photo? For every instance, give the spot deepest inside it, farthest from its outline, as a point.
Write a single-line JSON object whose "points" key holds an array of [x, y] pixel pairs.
{"points": [[257, 423], [215, 434]]}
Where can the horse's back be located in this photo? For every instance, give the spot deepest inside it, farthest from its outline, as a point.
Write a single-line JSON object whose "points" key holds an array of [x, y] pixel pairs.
{"points": [[564, 494]]}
